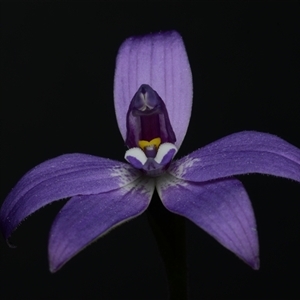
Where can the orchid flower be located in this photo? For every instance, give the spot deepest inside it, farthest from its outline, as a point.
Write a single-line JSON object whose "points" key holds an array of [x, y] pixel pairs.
{"points": [[153, 100]]}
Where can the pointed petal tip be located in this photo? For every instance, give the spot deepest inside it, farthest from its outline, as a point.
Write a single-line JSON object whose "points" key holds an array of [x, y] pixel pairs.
{"points": [[5, 228], [253, 262], [256, 265], [10, 245], [56, 266], [53, 269]]}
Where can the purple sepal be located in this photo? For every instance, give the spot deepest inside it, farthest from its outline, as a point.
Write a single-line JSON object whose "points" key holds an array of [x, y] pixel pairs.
{"points": [[147, 118], [159, 60], [86, 218], [62, 177], [237, 154], [222, 208]]}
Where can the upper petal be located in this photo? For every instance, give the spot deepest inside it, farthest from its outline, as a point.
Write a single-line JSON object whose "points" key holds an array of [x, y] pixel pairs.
{"points": [[222, 208], [62, 177], [159, 60], [240, 153], [85, 218]]}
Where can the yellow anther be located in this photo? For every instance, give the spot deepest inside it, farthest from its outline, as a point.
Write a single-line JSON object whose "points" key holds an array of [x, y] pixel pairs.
{"points": [[155, 142]]}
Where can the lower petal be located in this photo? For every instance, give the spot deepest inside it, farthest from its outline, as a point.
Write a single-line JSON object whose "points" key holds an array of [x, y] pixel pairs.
{"points": [[222, 208], [86, 218]]}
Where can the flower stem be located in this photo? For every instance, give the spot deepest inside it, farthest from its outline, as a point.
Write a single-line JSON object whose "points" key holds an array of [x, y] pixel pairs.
{"points": [[169, 231]]}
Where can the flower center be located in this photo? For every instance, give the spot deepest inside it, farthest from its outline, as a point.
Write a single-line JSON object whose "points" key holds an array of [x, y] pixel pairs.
{"points": [[150, 136]]}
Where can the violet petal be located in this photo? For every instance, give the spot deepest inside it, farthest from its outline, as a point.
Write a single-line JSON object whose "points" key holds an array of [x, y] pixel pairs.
{"points": [[222, 208], [240, 153], [86, 218], [159, 60], [62, 177]]}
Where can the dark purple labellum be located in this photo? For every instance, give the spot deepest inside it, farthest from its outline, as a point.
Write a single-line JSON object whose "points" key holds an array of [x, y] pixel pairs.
{"points": [[147, 118]]}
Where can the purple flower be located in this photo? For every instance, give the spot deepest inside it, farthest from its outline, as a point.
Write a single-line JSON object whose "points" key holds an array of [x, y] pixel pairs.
{"points": [[153, 100]]}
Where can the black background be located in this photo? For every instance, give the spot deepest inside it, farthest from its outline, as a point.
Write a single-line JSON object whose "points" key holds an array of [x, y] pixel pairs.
{"points": [[57, 72]]}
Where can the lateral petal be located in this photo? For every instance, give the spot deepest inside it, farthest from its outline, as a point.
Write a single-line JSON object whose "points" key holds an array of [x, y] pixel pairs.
{"points": [[240, 153], [86, 218], [62, 177], [222, 208]]}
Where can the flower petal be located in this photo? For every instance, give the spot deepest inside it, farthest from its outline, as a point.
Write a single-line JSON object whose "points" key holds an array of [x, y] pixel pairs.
{"points": [[222, 208], [85, 218], [62, 177], [159, 60], [240, 153]]}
